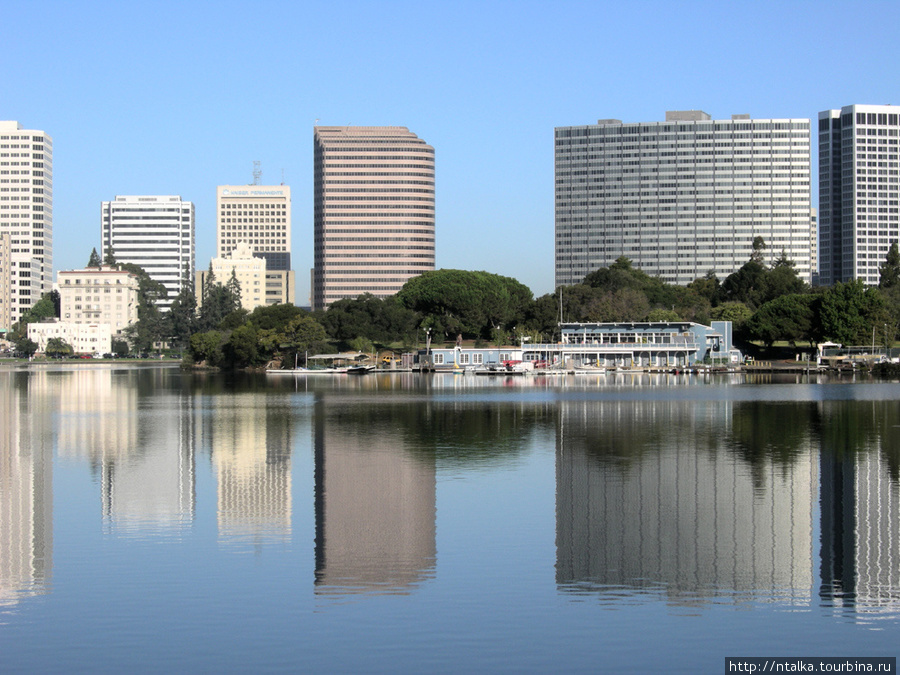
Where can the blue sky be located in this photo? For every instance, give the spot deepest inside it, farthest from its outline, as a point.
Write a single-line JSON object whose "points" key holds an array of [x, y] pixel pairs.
{"points": [[177, 98]]}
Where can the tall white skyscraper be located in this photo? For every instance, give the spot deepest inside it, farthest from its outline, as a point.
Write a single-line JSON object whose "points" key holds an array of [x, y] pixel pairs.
{"points": [[155, 233], [859, 190], [683, 197], [26, 215]]}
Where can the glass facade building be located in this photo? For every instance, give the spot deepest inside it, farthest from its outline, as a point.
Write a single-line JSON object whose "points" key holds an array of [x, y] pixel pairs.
{"points": [[681, 198], [859, 190]]}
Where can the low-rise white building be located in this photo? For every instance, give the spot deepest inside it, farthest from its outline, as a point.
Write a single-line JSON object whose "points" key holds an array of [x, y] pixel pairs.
{"points": [[84, 338], [98, 295]]}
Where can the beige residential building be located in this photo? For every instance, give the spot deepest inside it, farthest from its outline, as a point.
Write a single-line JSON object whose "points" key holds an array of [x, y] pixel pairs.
{"points": [[259, 286], [249, 271], [101, 295], [373, 207]]}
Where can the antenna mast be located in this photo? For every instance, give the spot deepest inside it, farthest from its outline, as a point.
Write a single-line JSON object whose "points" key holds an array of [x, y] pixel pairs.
{"points": [[257, 172]]}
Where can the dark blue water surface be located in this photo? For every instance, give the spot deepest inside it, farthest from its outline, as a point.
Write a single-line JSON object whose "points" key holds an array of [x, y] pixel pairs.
{"points": [[153, 521]]}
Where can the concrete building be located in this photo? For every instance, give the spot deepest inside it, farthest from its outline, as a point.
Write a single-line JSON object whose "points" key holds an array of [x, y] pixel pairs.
{"points": [[259, 286], [259, 215], [84, 338], [859, 191], [373, 202], [155, 233], [26, 215], [104, 295], [249, 270], [5, 284], [683, 197]]}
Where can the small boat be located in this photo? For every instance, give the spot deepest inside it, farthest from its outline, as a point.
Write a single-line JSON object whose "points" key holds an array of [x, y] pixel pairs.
{"points": [[360, 369]]}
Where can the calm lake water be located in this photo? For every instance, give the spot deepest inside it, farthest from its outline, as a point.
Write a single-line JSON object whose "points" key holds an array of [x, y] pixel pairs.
{"points": [[154, 521]]}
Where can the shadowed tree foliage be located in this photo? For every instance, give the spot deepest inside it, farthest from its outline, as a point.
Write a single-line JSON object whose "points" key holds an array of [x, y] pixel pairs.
{"points": [[789, 317], [471, 303], [889, 272], [380, 320], [849, 312], [150, 325]]}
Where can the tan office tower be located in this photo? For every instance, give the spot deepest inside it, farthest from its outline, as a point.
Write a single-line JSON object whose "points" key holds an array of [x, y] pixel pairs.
{"points": [[373, 211], [260, 216]]}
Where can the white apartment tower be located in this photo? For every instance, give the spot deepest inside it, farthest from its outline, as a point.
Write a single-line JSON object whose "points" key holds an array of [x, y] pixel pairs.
{"points": [[859, 190], [26, 215], [373, 211], [683, 197], [154, 232]]}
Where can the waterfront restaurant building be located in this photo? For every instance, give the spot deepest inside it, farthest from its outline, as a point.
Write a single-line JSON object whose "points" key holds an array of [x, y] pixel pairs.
{"points": [[630, 345]]}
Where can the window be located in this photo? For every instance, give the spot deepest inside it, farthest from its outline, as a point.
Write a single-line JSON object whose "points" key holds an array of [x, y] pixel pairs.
{"points": [[464, 359], [438, 359]]}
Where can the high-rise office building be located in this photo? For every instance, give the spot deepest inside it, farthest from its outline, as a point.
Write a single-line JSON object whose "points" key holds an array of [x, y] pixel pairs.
{"points": [[259, 216], [26, 215], [683, 197], [373, 211], [154, 232], [859, 191]]}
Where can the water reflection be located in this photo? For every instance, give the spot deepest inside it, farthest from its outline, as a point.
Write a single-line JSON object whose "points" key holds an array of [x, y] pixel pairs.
{"points": [[860, 504], [375, 502], [251, 440], [675, 497], [26, 489]]}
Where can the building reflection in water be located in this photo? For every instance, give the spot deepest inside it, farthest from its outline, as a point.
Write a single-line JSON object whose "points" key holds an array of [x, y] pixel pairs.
{"points": [[375, 505], [251, 452], [145, 456], [667, 497], [860, 505], [26, 488]]}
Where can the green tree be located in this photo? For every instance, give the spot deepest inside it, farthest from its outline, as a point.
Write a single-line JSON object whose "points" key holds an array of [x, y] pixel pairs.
{"points": [[303, 334], [241, 350], [181, 319], [207, 347], [663, 315], [789, 317], [849, 312], [623, 304], [57, 348], [150, 325], [758, 250], [470, 303], [109, 258], [889, 273], [25, 345], [94, 260], [362, 344], [218, 302], [736, 312], [277, 316], [380, 320], [746, 285]]}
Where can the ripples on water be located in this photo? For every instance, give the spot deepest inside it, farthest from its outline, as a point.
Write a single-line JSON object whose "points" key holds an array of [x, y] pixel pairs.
{"points": [[445, 523]]}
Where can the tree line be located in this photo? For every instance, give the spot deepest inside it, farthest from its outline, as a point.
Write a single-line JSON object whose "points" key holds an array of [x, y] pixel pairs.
{"points": [[766, 303]]}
